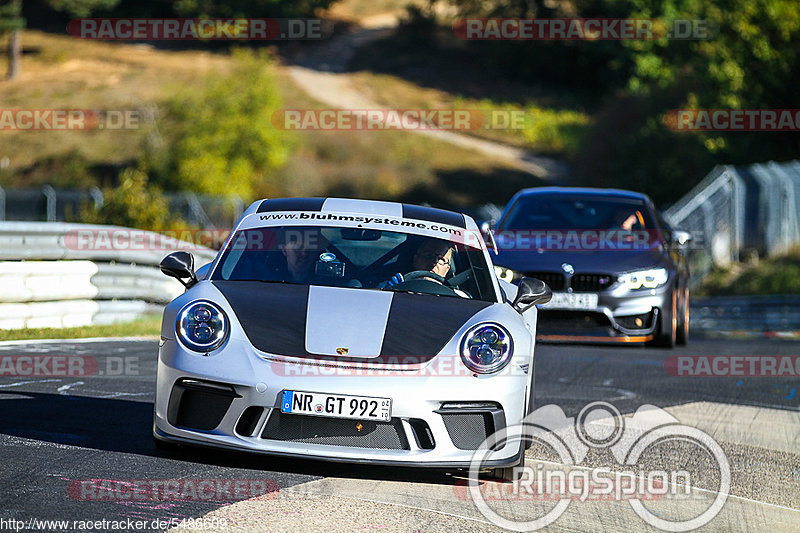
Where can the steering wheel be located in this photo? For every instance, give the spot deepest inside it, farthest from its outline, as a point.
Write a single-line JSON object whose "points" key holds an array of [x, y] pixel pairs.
{"points": [[415, 282], [421, 274]]}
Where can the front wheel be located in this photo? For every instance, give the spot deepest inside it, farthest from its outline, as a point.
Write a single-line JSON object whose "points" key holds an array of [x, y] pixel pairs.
{"points": [[683, 328], [511, 473], [667, 332]]}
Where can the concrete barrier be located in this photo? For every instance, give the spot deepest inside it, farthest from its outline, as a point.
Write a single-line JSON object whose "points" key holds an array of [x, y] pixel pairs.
{"points": [[62, 275]]}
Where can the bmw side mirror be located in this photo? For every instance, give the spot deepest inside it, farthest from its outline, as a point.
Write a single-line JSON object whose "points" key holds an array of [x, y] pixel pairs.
{"points": [[180, 265], [531, 291], [488, 236], [681, 237]]}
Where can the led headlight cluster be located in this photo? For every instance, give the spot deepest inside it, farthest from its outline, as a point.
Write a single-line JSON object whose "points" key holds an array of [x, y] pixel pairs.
{"points": [[202, 326], [647, 279], [506, 274], [486, 348]]}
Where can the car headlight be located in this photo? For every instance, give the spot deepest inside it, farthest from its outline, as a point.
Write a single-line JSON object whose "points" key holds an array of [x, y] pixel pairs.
{"points": [[486, 348], [647, 279], [506, 274], [202, 326]]}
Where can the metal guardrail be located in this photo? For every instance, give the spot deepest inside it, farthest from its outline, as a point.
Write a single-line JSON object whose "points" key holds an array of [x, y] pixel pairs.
{"points": [[59, 205], [737, 211], [49, 279], [725, 314]]}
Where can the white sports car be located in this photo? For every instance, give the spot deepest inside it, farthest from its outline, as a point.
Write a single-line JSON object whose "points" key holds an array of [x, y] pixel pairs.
{"points": [[348, 330]]}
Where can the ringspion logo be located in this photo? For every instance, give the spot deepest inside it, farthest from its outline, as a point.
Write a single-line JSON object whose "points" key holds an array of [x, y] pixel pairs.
{"points": [[633, 441]]}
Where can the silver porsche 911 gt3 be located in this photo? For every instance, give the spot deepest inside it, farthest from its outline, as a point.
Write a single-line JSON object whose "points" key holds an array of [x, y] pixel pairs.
{"points": [[348, 330]]}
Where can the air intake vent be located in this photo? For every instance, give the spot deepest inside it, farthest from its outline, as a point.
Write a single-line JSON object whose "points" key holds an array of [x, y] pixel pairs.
{"points": [[336, 431]]}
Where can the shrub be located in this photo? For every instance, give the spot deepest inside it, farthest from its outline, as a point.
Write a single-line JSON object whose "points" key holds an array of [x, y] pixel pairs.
{"points": [[219, 139]]}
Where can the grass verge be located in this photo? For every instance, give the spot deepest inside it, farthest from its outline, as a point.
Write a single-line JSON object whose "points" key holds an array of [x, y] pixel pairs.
{"points": [[546, 130], [775, 275], [149, 326]]}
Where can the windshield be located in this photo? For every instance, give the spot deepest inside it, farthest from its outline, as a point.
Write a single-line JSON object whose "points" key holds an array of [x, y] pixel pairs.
{"points": [[544, 212], [356, 258]]}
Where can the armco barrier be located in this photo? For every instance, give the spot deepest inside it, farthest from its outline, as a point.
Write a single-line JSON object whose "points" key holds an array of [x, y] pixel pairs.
{"points": [[48, 281], [757, 314]]}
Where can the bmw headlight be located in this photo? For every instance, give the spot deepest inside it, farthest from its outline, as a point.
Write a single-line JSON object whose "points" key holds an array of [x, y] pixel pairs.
{"points": [[644, 279], [202, 326], [506, 274], [486, 348]]}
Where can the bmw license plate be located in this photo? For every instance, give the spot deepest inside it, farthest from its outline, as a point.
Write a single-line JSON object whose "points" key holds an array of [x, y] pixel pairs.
{"points": [[336, 405], [585, 301]]}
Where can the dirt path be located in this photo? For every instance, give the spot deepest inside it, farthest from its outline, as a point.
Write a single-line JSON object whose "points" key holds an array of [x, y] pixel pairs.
{"points": [[322, 74]]}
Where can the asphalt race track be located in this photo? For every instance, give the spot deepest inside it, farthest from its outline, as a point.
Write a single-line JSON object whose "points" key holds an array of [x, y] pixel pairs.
{"points": [[66, 440]]}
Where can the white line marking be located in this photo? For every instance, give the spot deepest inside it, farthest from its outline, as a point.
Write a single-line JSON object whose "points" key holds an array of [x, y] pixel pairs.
{"points": [[29, 382], [64, 389], [78, 341]]}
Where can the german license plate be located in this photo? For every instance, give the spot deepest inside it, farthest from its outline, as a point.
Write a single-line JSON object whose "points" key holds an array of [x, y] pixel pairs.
{"points": [[336, 405], [585, 301]]}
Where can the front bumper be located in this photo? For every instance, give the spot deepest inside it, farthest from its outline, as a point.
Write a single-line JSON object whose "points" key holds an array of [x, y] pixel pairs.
{"points": [[620, 317], [232, 400]]}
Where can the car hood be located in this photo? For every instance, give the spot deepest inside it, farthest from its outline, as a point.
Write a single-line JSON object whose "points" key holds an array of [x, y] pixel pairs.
{"points": [[344, 323], [595, 262]]}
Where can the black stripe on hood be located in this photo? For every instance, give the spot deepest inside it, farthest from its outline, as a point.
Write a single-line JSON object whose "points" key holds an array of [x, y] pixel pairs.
{"points": [[273, 316], [421, 324], [432, 214], [291, 204]]}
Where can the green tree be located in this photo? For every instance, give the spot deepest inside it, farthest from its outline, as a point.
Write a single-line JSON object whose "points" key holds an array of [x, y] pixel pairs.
{"points": [[219, 138], [134, 203]]}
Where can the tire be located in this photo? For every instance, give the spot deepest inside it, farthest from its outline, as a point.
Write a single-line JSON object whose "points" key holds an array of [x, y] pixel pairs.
{"points": [[165, 446], [682, 337], [668, 338], [508, 474]]}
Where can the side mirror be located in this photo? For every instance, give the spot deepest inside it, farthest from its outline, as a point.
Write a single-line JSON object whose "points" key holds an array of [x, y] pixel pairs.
{"points": [[180, 265], [681, 237], [488, 236], [531, 291]]}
